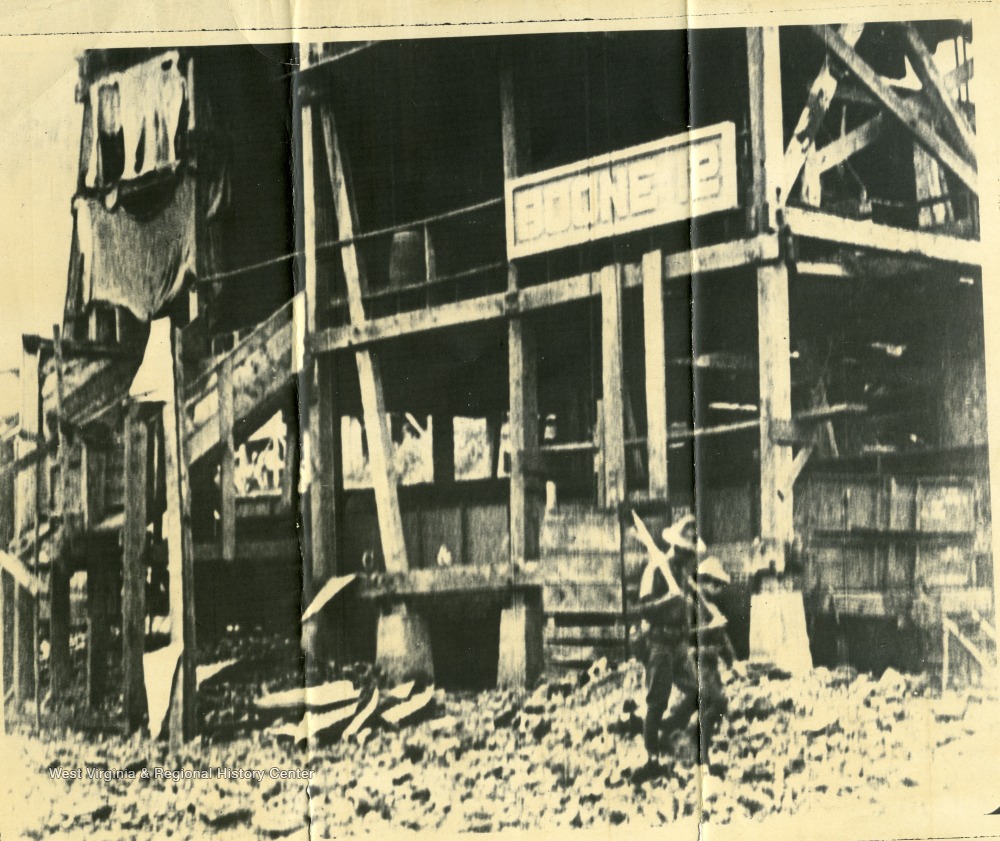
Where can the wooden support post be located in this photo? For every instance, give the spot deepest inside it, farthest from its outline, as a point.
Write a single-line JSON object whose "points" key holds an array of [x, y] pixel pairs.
{"points": [[519, 663], [766, 130], [25, 651], [7, 620], [522, 355], [612, 374], [289, 476], [134, 568], [381, 452], [99, 580], [523, 436], [60, 664], [443, 447], [180, 557], [654, 332], [776, 461], [227, 451], [777, 615], [323, 636]]}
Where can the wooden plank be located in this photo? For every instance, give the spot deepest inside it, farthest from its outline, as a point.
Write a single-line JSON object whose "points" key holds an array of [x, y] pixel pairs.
{"points": [[60, 664], [134, 569], [939, 93], [612, 377], [227, 472], [899, 107], [817, 104], [183, 704], [655, 350], [380, 447]]}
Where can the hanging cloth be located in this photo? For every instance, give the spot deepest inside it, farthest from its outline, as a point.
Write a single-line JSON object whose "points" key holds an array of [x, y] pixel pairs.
{"points": [[138, 257]]}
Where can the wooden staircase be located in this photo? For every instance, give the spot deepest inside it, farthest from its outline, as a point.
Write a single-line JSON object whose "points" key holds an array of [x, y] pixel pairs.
{"points": [[256, 374], [587, 609]]}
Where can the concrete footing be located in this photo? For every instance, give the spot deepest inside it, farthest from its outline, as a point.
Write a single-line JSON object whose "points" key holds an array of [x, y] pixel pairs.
{"points": [[778, 632], [519, 663], [403, 646]]}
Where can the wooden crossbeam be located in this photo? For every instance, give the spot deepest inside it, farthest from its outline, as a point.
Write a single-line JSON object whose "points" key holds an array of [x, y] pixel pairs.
{"points": [[835, 153], [939, 93], [817, 104], [899, 107]]}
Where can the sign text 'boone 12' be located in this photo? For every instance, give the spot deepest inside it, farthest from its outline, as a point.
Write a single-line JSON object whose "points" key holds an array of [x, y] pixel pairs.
{"points": [[676, 178]]}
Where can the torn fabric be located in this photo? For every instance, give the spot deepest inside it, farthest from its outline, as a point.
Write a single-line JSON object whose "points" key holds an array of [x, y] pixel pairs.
{"points": [[136, 118], [137, 260]]}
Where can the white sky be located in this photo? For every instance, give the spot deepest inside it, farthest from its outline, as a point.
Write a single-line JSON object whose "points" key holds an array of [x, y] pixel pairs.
{"points": [[39, 147]]}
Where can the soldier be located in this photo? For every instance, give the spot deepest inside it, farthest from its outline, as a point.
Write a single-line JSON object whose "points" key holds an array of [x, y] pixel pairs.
{"points": [[714, 649], [666, 608]]}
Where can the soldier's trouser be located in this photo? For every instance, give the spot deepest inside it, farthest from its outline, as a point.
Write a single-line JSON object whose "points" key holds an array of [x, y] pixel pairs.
{"points": [[669, 664]]}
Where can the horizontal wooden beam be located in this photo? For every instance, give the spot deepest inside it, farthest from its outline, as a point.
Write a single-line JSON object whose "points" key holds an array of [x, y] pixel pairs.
{"points": [[878, 237], [704, 260]]}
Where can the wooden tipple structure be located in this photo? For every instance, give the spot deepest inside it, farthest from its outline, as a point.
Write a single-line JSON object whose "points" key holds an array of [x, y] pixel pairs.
{"points": [[501, 291]]}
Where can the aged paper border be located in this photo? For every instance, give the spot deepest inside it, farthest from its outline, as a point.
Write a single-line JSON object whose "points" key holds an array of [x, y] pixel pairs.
{"points": [[38, 28]]}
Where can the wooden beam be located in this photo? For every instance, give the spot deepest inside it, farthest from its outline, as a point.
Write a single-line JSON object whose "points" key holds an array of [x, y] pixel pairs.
{"points": [[612, 373], [900, 108], [838, 151], [134, 569], [939, 93], [655, 349], [878, 237], [704, 260], [768, 193], [817, 104], [180, 558], [227, 466], [60, 664], [380, 447]]}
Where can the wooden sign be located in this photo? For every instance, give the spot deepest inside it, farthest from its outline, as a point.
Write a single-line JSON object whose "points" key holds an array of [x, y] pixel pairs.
{"points": [[675, 178]]}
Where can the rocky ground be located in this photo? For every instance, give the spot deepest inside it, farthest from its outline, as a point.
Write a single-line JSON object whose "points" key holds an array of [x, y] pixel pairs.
{"points": [[562, 757]]}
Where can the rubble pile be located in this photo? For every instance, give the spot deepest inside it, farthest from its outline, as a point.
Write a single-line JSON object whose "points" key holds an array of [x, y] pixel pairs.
{"points": [[371, 757]]}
